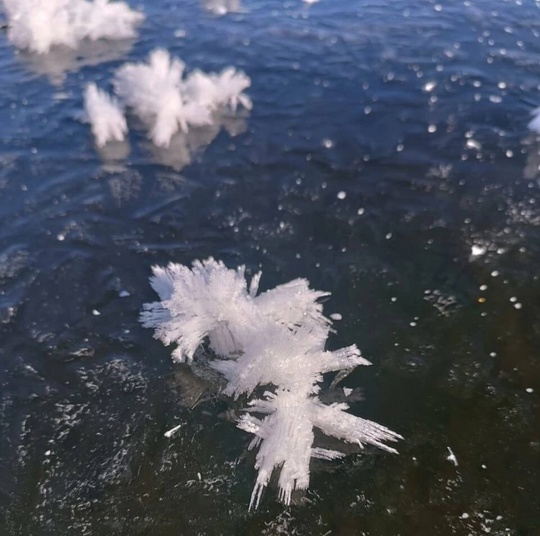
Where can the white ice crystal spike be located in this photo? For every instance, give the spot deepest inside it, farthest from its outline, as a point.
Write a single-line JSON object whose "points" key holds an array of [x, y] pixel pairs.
{"points": [[105, 115], [334, 421], [287, 437], [342, 359], [38, 25], [326, 454], [290, 412], [254, 285]]}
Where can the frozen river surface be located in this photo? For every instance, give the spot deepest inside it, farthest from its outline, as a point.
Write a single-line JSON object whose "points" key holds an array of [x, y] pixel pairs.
{"points": [[387, 160]]}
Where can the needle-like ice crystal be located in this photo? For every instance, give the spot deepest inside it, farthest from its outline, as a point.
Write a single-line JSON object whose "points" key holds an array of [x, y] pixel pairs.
{"points": [[274, 340]]}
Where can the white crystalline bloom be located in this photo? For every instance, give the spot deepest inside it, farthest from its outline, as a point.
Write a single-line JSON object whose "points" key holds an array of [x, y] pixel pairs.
{"points": [[208, 300], [153, 91], [38, 25], [215, 90], [167, 102], [277, 340], [105, 115]]}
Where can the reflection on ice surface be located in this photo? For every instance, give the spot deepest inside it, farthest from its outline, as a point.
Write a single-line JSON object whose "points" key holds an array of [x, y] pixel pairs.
{"points": [[62, 59], [184, 145]]}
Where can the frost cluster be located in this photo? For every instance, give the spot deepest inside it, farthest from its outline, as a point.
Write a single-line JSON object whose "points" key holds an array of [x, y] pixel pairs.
{"points": [[38, 25], [274, 341], [164, 99], [167, 101], [105, 114]]}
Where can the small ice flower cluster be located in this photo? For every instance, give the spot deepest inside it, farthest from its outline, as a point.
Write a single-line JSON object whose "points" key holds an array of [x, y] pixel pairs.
{"points": [[105, 114], [38, 25], [274, 340], [165, 100]]}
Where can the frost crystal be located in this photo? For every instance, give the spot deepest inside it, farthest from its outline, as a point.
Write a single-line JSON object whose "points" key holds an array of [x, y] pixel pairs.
{"points": [[105, 115], [38, 25], [275, 340], [167, 102]]}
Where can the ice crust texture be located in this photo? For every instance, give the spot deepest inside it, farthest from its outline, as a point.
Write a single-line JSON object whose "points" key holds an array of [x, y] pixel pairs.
{"points": [[38, 25], [275, 340]]}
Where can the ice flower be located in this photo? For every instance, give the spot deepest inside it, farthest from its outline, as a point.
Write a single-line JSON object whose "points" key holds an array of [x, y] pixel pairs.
{"points": [[105, 115], [38, 25], [166, 102], [275, 340]]}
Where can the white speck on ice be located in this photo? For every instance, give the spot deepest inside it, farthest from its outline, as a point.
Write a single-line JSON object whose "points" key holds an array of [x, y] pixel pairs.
{"points": [[342, 195], [172, 431], [124, 294], [328, 143], [476, 251], [495, 273], [336, 316], [517, 305], [360, 211], [529, 390], [95, 312], [347, 391], [483, 287], [473, 144], [452, 457], [430, 86], [465, 516]]}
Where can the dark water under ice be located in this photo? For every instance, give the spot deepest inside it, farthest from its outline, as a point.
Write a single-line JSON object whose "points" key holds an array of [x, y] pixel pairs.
{"points": [[387, 160]]}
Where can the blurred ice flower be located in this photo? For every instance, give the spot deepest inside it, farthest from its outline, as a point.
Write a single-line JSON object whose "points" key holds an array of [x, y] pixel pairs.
{"points": [[38, 25]]}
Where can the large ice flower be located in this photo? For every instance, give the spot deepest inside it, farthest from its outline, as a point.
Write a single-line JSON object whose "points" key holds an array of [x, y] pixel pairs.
{"points": [[275, 340]]}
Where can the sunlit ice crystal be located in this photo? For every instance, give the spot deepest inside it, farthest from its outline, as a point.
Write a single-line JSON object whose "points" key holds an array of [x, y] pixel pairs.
{"points": [[168, 102], [38, 25], [105, 115], [275, 340]]}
